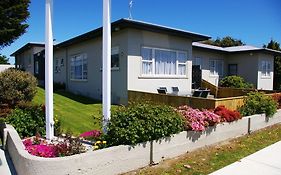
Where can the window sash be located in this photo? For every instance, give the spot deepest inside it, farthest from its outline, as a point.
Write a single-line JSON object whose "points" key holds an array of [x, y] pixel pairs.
{"points": [[115, 58], [79, 67], [265, 68], [163, 62], [216, 67]]}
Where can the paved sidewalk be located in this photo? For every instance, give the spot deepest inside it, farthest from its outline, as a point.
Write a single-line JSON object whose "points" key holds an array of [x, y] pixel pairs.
{"points": [[6, 166], [264, 162]]}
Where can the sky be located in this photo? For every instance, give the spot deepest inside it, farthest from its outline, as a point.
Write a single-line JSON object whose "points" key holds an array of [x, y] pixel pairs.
{"points": [[255, 22]]}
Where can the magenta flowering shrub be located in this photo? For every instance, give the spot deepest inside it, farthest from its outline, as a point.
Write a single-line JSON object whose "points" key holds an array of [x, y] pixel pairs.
{"points": [[39, 147], [197, 120], [91, 134]]}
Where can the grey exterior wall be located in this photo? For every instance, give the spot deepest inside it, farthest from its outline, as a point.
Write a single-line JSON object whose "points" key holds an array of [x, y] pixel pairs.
{"points": [[136, 40], [247, 65], [92, 87]]}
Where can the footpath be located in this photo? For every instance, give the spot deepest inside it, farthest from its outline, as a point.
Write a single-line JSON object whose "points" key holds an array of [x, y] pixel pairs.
{"points": [[264, 162]]}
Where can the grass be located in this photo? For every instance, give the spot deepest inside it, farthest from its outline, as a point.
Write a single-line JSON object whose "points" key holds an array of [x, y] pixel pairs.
{"points": [[77, 113], [211, 158]]}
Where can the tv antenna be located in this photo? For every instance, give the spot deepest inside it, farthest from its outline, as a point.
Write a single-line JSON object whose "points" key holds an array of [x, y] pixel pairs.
{"points": [[130, 9]]}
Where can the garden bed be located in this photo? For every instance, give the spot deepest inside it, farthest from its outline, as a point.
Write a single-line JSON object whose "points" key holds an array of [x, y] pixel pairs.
{"points": [[124, 158]]}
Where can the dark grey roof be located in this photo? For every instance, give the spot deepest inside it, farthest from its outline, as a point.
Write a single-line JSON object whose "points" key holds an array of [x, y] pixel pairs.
{"points": [[129, 23], [27, 46]]}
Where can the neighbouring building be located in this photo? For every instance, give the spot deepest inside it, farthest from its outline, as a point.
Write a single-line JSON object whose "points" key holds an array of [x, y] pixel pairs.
{"points": [[25, 58], [254, 64]]}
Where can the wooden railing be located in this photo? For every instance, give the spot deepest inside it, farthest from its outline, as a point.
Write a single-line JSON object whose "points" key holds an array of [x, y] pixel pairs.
{"points": [[225, 92], [194, 102]]}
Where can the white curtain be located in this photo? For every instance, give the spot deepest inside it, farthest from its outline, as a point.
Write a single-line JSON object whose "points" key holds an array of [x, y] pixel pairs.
{"points": [[165, 62], [182, 58], [146, 61]]}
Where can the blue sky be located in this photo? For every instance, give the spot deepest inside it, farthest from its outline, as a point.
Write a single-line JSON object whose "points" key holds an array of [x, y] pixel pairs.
{"points": [[253, 21]]}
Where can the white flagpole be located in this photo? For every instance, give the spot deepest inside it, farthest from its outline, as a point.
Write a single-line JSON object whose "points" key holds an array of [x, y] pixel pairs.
{"points": [[49, 70], [106, 70]]}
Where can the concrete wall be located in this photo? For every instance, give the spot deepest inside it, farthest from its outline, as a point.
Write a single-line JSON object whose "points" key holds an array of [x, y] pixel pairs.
{"points": [[205, 56], [136, 40], [265, 83], [124, 158], [92, 87], [60, 76], [5, 66], [247, 65]]}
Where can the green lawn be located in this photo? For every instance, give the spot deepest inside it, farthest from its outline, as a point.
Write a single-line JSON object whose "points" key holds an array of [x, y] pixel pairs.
{"points": [[77, 114], [209, 159]]}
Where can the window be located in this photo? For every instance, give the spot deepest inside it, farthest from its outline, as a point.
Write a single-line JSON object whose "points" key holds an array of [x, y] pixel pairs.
{"points": [[216, 67], [265, 68], [115, 57], [79, 67], [57, 69], [232, 69], [163, 62], [29, 61], [62, 62], [36, 67]]}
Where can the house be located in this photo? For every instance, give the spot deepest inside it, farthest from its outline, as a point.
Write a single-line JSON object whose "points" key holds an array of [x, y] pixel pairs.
{"points": [[147, 56], [254, 64], [144, 57]]}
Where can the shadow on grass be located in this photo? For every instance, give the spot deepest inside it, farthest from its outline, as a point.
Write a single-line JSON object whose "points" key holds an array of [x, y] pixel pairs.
{"points": [[77, 98]]}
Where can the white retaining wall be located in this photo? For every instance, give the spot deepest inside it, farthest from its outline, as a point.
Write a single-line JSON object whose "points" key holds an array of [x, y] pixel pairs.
{"points": [[125, 158]]}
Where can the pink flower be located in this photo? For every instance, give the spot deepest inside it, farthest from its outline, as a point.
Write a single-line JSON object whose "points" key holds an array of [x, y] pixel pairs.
{"points": [[197, 120], [93, 133]]}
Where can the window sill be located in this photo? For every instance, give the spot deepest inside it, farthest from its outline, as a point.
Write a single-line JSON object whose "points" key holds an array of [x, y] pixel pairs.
{"points": [[112, 69], [265, 77], [77, 80], [214, 76], [162, 77]]}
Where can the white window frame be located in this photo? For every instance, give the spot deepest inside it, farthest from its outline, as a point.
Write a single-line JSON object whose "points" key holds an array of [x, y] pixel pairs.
{"points": [[267, 71], [153, 73], [216, 72], [84, 57]]}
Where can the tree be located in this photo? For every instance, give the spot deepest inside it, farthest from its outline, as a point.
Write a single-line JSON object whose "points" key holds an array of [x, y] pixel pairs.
{"points": [[277, 64], [4, 59], [13, 16], [224, 42]]}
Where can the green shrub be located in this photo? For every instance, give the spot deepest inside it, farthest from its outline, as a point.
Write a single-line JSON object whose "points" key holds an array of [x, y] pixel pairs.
{"points": [[28, 121], [258, 103], [142, 122], [16, 86], [235, 82]]}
